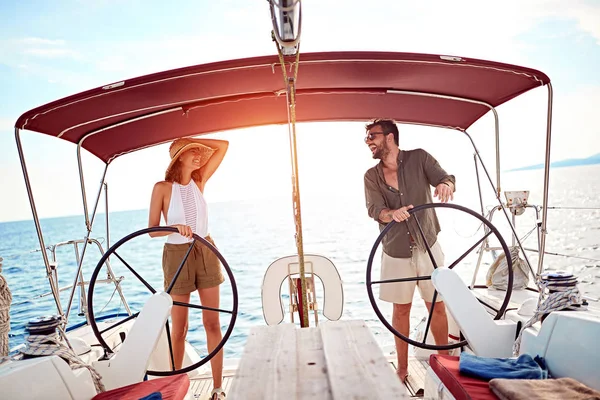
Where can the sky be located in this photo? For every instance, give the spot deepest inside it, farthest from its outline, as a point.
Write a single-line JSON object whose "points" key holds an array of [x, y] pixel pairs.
{"points": [[49, 50]]}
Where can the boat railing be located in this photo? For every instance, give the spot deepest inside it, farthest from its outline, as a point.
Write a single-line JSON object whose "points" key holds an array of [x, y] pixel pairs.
{"points": [[515, 210], [81, 283]]}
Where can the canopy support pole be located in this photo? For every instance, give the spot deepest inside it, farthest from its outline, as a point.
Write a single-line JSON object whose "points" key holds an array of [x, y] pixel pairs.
{"points": [[89, 223], [36, 220], [546, 182]]}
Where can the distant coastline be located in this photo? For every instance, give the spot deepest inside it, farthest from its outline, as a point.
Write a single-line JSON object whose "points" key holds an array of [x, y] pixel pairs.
{"points": [[595, 159]]}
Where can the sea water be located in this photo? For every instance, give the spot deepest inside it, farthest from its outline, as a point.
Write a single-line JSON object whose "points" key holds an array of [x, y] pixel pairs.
{"points": [[251, 234]]}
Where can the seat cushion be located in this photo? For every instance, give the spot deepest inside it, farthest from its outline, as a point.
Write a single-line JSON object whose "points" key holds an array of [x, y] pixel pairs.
{"points": [[172, 388], [462, 387]]}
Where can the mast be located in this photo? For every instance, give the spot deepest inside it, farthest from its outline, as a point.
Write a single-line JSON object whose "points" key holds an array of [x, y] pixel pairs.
{"points": [[286, 17]]}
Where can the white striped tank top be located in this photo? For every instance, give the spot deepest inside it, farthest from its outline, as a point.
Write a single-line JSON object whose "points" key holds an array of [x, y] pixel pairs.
{"points": [[187, 207]]}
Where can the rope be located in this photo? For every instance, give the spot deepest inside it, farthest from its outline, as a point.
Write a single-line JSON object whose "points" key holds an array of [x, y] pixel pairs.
{"points": [[290, 84], [5, 301], [47, 345], [560, 298]]}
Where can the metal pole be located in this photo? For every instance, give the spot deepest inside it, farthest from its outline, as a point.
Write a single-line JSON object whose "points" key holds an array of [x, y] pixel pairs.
{"points": [[83, 194], [497, 127], [514, 232], [296, 201], [36, 221], [106, 216], [546, 181], [484, 244], [466, 100], [89, 223], [82, 297]]}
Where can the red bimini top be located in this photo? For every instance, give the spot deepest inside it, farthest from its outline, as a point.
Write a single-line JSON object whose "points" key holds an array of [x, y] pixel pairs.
{"points": [[334, 86]]}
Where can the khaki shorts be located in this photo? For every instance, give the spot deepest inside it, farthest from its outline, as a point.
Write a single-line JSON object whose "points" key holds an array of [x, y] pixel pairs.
{"points": [[201, 270], [418, 265]]}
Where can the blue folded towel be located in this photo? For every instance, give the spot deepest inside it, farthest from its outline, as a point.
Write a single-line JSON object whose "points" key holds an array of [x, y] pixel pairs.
{"points": [[485, 368], [153, 396]]}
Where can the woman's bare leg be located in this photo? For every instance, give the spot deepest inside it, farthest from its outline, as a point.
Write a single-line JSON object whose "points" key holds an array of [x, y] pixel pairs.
{"points": [[210, 298], [179, 318]]}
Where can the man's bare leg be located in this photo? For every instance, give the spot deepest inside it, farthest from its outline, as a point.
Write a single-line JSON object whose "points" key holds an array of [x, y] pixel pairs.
{"points": [[439, 324], [401, 322]]}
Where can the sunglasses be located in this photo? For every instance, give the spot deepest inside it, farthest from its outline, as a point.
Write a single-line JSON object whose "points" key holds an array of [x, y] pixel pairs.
{"points": [[371, 135]]}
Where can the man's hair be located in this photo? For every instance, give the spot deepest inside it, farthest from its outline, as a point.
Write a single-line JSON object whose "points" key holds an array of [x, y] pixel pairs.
{"points": [[386, 125]]}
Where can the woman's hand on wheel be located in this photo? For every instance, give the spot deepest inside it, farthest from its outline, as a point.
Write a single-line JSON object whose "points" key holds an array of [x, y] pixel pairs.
{"points": [[184, 230]]}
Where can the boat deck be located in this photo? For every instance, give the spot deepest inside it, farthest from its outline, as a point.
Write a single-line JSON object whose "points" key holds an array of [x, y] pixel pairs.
{"points": [[201, 386]]}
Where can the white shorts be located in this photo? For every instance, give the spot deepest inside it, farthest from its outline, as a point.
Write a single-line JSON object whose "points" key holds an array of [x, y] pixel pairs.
{"points": [[418, 265]]}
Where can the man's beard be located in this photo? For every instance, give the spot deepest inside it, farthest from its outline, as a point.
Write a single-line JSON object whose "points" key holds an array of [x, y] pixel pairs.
{"points": [[381, 152]]}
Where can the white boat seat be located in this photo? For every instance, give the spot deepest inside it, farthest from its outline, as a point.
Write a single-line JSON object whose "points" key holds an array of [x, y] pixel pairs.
{"points": [[486, 337], [48, 377], [279, 270], [568, 341], [51, 377], [130, 363]]}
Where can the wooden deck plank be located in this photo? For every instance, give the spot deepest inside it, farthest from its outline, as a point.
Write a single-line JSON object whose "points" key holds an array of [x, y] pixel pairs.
{"points": [[356, 366], [312, 369], [201, 386], [416, 376], [267, 372], [206, 386], [227, 384]]}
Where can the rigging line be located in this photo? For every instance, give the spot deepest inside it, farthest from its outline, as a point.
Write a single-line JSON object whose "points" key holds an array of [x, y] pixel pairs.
{"points": [[109, 300], [573, 208], [528, 234], [290, 85], [487, 217], [565, 255]]}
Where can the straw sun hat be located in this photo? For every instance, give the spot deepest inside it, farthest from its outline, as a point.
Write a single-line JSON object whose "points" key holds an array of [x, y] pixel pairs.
{"points": [[180, 146]]}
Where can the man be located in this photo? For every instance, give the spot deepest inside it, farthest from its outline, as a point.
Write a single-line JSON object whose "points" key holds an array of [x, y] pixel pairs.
{"points": [[399, 182]]}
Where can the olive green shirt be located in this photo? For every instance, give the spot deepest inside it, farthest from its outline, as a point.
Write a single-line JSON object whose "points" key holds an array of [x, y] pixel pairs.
{"points": [[417, 170]]}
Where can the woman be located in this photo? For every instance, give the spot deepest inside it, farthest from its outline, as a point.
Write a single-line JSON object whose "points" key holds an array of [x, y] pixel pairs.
{"points": [[180, 200]]}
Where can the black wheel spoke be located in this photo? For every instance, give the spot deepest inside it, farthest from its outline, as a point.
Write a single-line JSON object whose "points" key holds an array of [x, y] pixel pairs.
{"points": [[181, 266], [113, 250], [188, 305], [412, 278], [427, 247], [369, 282], [435, 293], [170, 345], [121, 322], [466, 253], [135, 273]]}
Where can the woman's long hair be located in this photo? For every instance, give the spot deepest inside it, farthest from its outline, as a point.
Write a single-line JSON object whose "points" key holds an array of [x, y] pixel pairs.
{"points": [[173, 174]]}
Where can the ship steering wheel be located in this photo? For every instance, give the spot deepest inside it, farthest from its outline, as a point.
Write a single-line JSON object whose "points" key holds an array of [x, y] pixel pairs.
{"points": [[490, 229], [113, 251]]}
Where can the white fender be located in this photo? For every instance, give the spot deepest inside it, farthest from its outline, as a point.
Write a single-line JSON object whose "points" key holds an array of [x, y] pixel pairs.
{"points": [[322, 267]]}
